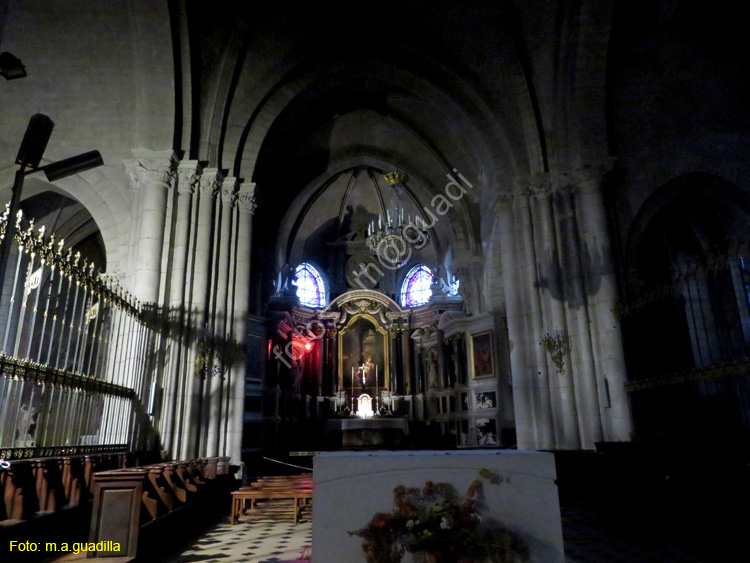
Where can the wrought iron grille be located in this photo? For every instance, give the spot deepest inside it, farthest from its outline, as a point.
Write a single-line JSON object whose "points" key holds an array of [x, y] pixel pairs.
{"points": [[73, 352]]}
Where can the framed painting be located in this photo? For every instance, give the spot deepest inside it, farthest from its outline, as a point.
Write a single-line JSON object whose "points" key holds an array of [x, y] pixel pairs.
{"points": [[482, 358], [363, 356], [486, 400], [486, 432], [463, 433]]}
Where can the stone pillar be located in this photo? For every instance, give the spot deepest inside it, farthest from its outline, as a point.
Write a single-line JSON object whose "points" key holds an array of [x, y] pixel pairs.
{"points": [[152, 172], [551, 305], [330, 379], [442, 377], [410, 387], [393, 355], [198, 302], [516, 284], [220, 323], [606, 330], [581, 361], [188, 177], [333, 357], [244, 210]]}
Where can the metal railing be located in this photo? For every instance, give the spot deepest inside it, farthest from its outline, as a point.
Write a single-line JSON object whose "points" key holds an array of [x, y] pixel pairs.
{"points": [[74, 352], [688, 344]]}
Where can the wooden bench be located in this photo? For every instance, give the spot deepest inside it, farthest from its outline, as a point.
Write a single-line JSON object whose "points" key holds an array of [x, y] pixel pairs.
{"points": [[296, 488]]}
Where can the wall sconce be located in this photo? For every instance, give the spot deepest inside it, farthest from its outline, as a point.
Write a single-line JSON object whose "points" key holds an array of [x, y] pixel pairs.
{"points": [[557, 344]]}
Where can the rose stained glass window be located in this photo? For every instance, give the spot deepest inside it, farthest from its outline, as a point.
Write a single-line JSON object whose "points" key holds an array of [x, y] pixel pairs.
{"points": [[310, 288], [415, 290]]}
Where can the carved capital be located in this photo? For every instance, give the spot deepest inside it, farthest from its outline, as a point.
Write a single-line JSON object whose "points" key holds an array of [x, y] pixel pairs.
{"points": [[151, 167], [246, 200], [188, 176], [210, 182], [228, 189]]}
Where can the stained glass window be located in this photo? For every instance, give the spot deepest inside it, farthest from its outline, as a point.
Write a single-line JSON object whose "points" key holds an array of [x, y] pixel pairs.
{"points": [[416, 287], [310, 288]]}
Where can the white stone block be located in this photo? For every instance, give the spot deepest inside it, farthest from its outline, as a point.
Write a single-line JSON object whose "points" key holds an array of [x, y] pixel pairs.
{"points": [[351, 487]]}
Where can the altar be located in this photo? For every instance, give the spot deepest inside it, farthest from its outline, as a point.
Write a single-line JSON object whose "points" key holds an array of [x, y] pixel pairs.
{"points": [[355, 432], [517, 489]]}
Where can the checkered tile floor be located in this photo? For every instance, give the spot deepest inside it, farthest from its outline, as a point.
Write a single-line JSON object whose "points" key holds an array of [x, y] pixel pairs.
{"points": [[265, 537]]}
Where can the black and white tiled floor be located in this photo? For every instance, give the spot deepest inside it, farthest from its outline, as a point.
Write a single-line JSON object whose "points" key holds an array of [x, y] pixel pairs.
{"points": [[267, 538], [588, 538]]}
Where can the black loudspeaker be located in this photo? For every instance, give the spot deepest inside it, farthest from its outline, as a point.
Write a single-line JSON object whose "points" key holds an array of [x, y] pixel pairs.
{"points": [[35, 140]]}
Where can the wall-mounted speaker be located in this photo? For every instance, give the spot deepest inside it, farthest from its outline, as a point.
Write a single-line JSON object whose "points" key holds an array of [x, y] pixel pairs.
{"points": [[35, 140]]}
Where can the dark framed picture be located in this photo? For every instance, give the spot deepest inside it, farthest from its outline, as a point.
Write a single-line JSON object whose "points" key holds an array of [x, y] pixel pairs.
{"points": [[486, 432], [463, 433], [486, 400], [483, 364]]}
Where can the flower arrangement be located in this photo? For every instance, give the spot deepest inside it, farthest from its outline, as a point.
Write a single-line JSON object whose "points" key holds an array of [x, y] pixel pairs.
{"points": [[437, 524]]}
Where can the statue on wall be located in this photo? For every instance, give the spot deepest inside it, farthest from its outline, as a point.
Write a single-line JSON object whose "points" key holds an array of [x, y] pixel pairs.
{"points": [[284, 283], [432, 369]]}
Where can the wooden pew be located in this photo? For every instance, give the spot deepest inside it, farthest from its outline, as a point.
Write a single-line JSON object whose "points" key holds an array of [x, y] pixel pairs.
{"points": [[149, 494], [298, 488]]}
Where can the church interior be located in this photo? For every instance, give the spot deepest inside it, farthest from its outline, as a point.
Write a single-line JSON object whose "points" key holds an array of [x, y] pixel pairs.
{"points": [[241, 234]]}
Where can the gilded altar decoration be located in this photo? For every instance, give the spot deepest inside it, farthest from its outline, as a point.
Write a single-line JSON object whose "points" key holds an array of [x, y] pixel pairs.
{"points": [[441, 527]]}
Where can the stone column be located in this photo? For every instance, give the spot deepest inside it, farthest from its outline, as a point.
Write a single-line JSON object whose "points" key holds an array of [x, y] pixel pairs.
{"points": [[565, 394], [516, 298], [607, 335], [333, 355], [198, 302], [221, 327], [442, 377], [393, 354], [244, 210], [410, 387], [581, 363], [551, 306], [188, 177], [152, 172]]}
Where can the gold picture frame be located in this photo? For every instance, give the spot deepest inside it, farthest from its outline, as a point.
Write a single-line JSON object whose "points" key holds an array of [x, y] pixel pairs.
{"points": [[370, 340], [482, 355]]}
